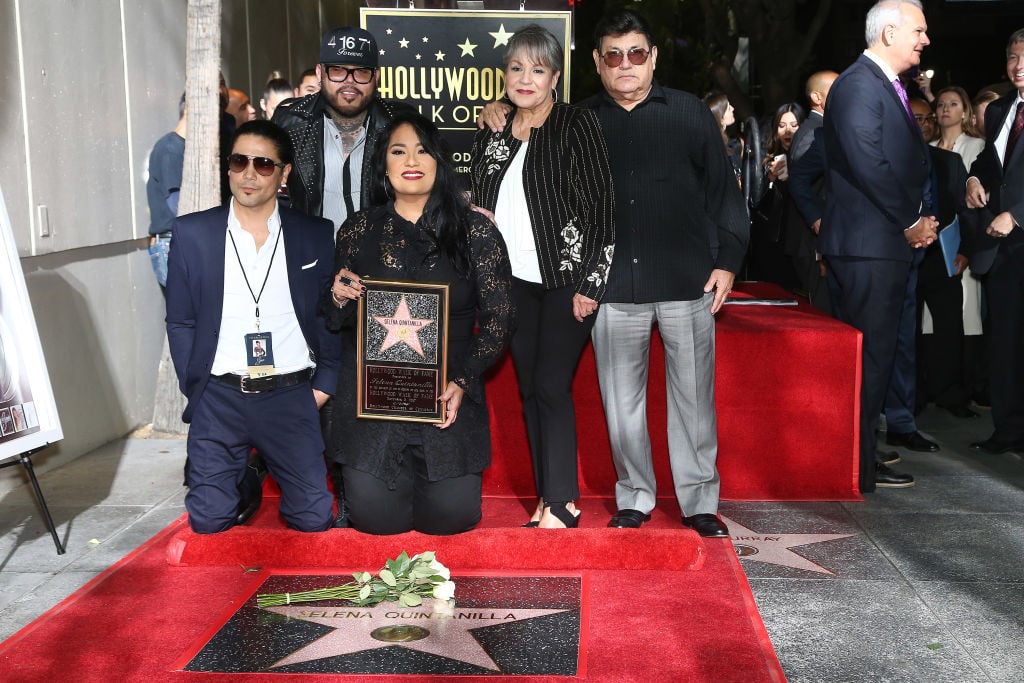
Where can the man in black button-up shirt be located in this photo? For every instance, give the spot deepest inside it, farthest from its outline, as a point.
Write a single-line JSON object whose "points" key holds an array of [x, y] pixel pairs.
{"points": [[681, 233]]}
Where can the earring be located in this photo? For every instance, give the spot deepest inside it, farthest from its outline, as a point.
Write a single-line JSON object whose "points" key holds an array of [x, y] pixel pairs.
{"points": [[554, 94], [387, 186]]}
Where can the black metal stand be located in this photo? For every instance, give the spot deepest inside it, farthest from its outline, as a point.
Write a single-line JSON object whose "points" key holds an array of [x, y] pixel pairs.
{"points": [[26, 461]]}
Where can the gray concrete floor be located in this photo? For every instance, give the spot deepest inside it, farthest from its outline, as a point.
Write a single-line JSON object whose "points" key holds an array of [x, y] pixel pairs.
{"points": [[920, 584]]}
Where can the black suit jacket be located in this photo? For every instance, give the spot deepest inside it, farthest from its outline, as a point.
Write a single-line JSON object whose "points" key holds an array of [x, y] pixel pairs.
{"points": [[878, 167], [195, 294], [1005, 185]]}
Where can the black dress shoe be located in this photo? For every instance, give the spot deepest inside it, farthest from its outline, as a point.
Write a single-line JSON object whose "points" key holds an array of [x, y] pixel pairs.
{"points": [[707, 525], [251, 488], [912, 441], [248, 508], [963, 412], [341, 519], [628, 519], [890, 479], [993, 447], [887, 457]]}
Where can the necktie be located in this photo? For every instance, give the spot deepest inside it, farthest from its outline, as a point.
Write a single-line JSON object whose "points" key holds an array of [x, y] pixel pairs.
{"points": [[1018, 126], [902, 92]]}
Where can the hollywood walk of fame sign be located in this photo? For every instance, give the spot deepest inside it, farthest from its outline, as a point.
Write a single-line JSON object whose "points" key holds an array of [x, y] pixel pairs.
{"points": [[448, 64], [775, 548], [514, 625], [401, 354]]}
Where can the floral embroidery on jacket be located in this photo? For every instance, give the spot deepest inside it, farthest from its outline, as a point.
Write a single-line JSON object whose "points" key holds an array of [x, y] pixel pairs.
{"points": [[600, 275], [572, 252], [496, 151]]}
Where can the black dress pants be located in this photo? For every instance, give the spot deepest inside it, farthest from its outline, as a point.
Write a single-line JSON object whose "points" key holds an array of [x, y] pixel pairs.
{"points": [[546, 348]]}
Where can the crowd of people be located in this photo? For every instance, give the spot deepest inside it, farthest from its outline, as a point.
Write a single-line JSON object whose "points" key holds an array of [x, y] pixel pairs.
{"points": [[589, 221]]}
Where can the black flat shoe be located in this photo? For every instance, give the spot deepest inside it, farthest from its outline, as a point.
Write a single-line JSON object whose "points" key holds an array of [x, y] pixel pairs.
{"points": [[628, 519], [912, 441], [887, 457], [886, 477], [707, 525], [562, 514], [993, 447]]}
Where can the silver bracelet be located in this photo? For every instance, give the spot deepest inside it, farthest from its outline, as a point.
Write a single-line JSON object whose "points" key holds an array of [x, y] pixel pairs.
{"points": [[339, 304]]}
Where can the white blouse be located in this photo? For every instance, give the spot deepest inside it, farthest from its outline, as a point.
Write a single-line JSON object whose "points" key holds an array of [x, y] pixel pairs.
{"points": [[513, 219]]}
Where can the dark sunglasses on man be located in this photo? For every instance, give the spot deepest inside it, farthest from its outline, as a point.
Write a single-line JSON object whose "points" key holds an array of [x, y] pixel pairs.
{"points": [[264, 166], [636, 56], [338, 73]]}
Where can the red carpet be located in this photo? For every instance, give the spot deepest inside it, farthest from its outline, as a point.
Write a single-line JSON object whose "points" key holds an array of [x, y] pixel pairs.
{"points": [[138, 619], [787, 382]]}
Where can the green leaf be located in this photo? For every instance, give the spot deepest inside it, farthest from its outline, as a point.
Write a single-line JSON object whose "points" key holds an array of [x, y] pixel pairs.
{"points": [[365, 591], [362, 577], [387, 577], [409, 600]]}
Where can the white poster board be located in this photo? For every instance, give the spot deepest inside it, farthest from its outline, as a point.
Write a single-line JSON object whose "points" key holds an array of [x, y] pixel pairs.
{"points": [[28, 413]]}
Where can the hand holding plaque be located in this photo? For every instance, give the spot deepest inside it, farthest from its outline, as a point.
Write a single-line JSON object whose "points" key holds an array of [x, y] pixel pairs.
{"points": [[401, 353]]}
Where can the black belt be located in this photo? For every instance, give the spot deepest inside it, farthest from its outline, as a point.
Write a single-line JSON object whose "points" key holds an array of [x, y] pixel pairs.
{"points": [[166, 233], [259, 385]]}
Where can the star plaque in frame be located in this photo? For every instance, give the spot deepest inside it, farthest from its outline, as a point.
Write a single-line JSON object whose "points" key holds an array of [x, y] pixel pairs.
{"points": [[402, 350]]}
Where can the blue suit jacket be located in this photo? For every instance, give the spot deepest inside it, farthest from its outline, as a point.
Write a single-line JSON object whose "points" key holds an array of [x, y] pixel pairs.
{"points": [[1005, 184], [195, 294], [878, 167]]}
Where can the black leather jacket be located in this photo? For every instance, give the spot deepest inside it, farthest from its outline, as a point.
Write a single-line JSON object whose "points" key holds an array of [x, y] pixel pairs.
{"points": [[303, 119]]}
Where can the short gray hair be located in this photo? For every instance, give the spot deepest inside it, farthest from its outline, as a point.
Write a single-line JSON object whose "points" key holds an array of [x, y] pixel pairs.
{"points": [[884, 13], [536, 44], [1015, 37]]}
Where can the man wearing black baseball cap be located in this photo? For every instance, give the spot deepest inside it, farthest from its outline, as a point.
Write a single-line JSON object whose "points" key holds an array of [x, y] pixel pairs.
{"points": [[335, 131]]}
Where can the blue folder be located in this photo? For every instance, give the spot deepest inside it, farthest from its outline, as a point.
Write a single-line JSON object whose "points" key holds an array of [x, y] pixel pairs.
{"points": [[949, 240]]}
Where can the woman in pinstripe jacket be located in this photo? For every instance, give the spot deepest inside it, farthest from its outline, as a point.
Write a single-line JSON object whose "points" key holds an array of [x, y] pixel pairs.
{"points": [[547, 181]]}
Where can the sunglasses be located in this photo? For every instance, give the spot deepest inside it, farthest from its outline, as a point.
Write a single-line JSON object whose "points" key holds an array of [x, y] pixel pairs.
{"points": [[264, 166], [636, 56], [359, 74]]}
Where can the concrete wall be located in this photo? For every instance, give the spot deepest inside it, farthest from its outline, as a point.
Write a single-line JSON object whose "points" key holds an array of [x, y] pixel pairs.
{"points": [[89, 86]]}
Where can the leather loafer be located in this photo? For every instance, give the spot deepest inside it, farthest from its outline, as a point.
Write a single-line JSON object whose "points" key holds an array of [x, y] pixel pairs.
{"points": [[628, 519], [887, 457], [885, 477], [993, 447], [707, 525], [912, 441]]}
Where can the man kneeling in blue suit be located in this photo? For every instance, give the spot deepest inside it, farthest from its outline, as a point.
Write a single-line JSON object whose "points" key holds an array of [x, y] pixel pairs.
{"points": [[250, 348]]}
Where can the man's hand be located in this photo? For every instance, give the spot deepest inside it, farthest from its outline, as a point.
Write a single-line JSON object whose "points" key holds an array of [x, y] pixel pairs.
{"points": [[485, 212], [720, 281], [961, 262], [494, 116], [976, 195], [816, 227], [320, 398], [923, 233], [452, 398], [1001, 225]]}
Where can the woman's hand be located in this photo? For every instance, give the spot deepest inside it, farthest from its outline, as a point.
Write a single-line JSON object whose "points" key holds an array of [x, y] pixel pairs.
{"points": [[452, 400], [347, 287], [582, 306]]}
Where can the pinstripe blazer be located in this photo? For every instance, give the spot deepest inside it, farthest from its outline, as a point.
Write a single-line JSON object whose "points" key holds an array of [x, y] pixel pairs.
{"points": [[569, 196]]}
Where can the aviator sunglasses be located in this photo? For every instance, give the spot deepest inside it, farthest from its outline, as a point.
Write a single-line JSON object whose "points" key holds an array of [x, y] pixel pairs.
{"points": [[264, 166], [636, 56]]}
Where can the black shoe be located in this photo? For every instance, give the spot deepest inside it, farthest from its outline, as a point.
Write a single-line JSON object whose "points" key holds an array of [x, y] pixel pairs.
{"points": [[341, 519], [707, 525], [887, 457], [963, 412], [912, 441], [890, 479], [628, 519], [251, 488], [562, 514], [993, 447]]}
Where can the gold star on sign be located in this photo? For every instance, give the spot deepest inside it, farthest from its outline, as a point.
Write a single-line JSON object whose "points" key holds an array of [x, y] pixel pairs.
{"points": [[467, 48], [501, 36]]}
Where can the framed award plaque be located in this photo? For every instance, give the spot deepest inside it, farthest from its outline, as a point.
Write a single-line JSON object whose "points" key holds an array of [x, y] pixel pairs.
{"points": [[402, 351]]}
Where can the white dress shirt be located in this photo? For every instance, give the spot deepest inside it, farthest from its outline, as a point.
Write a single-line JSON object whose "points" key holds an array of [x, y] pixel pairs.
{"points": [[512, 217], [277, 314], [334, 207]]}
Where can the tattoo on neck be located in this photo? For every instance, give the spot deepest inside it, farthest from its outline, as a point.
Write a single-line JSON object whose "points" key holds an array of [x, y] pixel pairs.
{"points": [[349, 127]]}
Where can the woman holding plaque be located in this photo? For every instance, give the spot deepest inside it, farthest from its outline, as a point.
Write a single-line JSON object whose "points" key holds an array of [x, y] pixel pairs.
{"points": [[406, 475], [547, 181]]}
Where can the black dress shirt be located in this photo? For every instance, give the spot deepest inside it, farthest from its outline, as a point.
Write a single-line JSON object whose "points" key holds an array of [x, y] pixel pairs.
{"points": [[679, 213]]}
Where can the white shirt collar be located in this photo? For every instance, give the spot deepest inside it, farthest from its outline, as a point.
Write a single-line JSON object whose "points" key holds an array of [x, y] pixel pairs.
{"points": [[890, 75], [273, 221]]}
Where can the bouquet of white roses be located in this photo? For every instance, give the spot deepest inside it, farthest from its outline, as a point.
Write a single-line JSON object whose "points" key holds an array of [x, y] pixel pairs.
{"points": [[405, 579]]}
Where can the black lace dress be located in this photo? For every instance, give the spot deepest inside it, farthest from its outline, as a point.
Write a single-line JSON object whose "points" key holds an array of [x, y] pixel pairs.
{"points": [[378, 243]]}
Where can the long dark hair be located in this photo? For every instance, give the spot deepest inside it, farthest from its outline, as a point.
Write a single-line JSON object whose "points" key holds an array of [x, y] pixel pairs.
{"points": [[774, 146], [446, 213]]}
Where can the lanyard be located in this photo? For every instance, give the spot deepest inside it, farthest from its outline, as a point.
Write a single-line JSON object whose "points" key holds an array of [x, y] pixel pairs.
{"points": [[256, 298]]}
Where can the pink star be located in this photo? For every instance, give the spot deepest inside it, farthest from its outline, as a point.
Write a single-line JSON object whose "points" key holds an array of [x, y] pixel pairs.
{"points": [[402, 327]]}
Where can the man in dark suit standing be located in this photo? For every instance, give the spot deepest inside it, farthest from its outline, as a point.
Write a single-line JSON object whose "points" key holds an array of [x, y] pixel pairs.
{"points": [[878, 170], [239, 274], [996, 185]]}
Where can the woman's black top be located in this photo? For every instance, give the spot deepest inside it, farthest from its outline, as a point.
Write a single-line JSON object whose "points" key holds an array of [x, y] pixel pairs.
{"points": [[378, 243]]}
